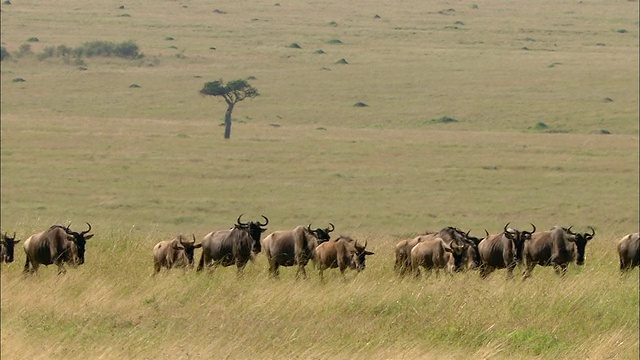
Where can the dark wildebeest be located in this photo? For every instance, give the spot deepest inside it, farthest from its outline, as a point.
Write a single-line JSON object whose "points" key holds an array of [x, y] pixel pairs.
{"points": [[556, 247], [293, 247], [235, 246], [341, 253], [629, 251], [56, 245], [436, 254], [174, 253], [503, 250], [7, 245], [471, 258], [403, 248]]}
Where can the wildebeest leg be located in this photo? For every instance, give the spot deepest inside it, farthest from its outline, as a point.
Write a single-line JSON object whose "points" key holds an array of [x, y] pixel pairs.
{"points": [[240, 265], [485, 270], [26, 267], [301, 270], [201, 262], [561, 269], [61, 268], [529, 265]]}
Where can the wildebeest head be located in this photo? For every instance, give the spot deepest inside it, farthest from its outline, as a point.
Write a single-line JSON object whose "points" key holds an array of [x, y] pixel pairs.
{"points": [[189, 247], [458, 250], [8, 244], [581, 239], [255, 229], [79, 239], [358, 258], [472, 255], [518, 237], [322, 234]]}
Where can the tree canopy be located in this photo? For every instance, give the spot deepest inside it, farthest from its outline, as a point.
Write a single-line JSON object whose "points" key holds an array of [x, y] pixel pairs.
{"points": [[232, 92]]}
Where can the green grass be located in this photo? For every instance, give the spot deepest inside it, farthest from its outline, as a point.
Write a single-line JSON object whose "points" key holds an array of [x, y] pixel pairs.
{"points": [[145, 164]]}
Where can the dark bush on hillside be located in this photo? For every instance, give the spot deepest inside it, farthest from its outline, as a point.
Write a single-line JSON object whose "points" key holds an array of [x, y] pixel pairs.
{"points": [[25, 49], [4, 53], [127, 49], [444, 120]]}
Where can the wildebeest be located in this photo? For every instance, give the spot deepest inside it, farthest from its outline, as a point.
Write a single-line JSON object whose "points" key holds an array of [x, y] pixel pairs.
{"points": [[341, 253], [471, 257], [403, 248], [629, 251], [503, 250], [235, 246], [55, 246], [556, 247], [174, 253], [293, 247], [436, 254], [7, 245]]}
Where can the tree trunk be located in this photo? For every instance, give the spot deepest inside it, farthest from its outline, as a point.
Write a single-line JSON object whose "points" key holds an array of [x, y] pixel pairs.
{"points": [[227, 121]]}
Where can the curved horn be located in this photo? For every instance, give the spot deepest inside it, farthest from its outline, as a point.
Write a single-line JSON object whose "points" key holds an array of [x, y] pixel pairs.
{"points": [[310, 229], [506, 226], [194, 237], [85, 232], [266, 221], [593, 232], [240, 221], [467, 234], [534, 228], [332, 228], [14, 234], [365, 243], [569, 230], [486, 232]]}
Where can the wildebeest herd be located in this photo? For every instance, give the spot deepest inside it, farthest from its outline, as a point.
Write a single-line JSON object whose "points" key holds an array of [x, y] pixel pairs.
{"points": [[450, 249]]}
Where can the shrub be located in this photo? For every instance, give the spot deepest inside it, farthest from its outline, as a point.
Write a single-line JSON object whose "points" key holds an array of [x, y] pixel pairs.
{"points": [[444, 120], [25, 49], [128, 49], [4, 53], [33, 39]]}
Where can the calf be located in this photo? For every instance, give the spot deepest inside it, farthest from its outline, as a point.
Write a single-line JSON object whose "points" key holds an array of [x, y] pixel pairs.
{"points": [[174, 253], [340, 253], [437, 254]]}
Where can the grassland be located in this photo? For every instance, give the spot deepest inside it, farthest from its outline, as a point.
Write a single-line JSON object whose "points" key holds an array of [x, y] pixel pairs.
{"points": [[144, 164]]}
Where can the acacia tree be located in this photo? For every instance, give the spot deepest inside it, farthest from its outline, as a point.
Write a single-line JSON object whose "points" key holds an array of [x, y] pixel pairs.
{"points": [[232, 92]]}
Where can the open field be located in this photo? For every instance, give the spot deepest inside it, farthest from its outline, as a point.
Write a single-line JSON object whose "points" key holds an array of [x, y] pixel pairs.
{"points": [[144, 164]]}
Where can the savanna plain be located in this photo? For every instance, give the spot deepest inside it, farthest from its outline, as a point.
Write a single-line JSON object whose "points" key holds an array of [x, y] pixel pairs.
{"points": [[470, 114]]}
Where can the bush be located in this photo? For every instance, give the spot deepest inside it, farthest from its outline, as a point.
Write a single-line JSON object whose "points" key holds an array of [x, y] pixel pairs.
{"points": [[127, 49], [25, 49], [4, 53]]}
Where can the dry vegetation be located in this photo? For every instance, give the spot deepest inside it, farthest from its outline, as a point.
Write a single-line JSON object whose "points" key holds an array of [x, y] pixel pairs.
{"points": [[143, 164]]}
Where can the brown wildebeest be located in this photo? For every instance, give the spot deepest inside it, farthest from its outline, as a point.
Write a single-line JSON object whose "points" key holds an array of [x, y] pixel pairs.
{"points": [[341, 253], [403, 248], [556, 247], [174, 253], [7, 245], [503, 250], [629, 251], [55, 246], [236, 246], [437, 254], [293, 247]]}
